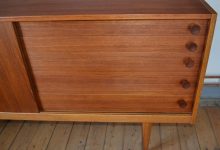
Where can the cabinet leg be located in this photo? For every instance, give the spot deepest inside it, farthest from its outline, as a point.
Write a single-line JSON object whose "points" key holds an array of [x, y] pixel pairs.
{"points": [[146, 129]]}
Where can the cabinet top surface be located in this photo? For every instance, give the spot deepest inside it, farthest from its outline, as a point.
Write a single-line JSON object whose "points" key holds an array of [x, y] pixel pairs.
{"points": [[31, 9]]}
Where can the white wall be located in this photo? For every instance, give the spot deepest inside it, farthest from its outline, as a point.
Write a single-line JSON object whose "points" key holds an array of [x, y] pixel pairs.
{"points": [[214, 59]]}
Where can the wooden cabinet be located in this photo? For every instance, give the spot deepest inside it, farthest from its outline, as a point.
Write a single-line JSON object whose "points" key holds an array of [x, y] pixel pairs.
{"points": [[16, 94], [115, 66], [118, 61]]}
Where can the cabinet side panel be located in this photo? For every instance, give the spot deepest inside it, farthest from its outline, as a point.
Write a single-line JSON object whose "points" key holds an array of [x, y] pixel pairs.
{"points": [[204, 65], [15, 90]]}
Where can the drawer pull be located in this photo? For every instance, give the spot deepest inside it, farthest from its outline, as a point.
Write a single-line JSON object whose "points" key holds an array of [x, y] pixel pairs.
{"points": [[192, 47], [194, 29], [182, 103], [189, 63], [185, 84]]}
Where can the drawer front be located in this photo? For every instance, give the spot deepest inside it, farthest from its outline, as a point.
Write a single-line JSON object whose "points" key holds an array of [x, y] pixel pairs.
{"points": [[125, 28], [115, 66]]}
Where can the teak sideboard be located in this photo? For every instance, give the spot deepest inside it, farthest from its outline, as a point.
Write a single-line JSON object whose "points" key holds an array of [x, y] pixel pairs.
{"points": [[139, 61]]}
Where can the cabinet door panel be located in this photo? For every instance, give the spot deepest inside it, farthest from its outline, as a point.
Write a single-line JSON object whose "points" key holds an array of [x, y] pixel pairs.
{"points": [[114, 66], [15, 90]]}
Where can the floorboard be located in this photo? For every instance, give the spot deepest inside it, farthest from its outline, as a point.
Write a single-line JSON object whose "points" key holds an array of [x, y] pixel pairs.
{"points": [[78, 136], [60, 136], [9, 133], [188, 137], [155, 140], [29, 135], [133, 137], [214, 115], [42, 137], [96, 137], [207, 140], [2, 125], [25, 135], [169, 137], [114, 136]]}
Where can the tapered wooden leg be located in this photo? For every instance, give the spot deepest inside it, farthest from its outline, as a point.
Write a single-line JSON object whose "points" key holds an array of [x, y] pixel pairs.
{"points": [[146, 135]]}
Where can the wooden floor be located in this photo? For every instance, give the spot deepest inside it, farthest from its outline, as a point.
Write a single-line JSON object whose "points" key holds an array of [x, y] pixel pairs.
{"points": [[205, 135]]}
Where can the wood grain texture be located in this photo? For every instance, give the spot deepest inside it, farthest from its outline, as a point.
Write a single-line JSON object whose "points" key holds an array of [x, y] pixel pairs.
{"points": [[25, 136], [96, 9], [155, 140], [187, 134], [208, 7], [9, 133], [133, 137], [100, 117], [188, 137], [214, 116], [114, 28], [205, 59], [2, 125], [78, 136], [169, 137], [108, 40], [15, 90], [74, 76], [204, 131], [43, 135], [96, 136], [146, 132], [60, 136], [114, 137], [116, 103], [105, 66]]}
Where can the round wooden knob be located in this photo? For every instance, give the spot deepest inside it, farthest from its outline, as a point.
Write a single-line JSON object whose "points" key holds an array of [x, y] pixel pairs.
{"points": [[189, 63], [185, 84], [194, 29], [192, 47], [182, 103]]}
